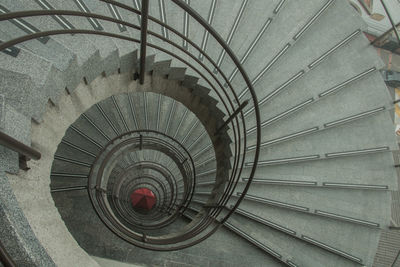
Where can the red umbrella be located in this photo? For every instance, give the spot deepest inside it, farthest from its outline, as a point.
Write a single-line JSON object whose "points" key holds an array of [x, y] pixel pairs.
{"points": [[143, 199]]}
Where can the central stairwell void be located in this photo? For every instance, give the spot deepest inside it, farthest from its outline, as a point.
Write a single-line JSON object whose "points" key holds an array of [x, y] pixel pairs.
{"points": [[192, 133], [136, 141]]}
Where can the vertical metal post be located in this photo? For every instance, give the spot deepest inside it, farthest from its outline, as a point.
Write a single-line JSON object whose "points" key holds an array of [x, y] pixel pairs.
{"points": [[391, 21], [143, 39], [396, 259]]}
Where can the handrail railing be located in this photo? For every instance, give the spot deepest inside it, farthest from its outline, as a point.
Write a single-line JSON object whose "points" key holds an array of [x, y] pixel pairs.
{"points": [[228, 99], [33, 36], [17, 146], [236, 61], [234, 114], [237, 135]]}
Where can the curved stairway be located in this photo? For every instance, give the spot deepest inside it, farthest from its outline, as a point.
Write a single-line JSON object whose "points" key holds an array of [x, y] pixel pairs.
{"points": [[320, 195]]}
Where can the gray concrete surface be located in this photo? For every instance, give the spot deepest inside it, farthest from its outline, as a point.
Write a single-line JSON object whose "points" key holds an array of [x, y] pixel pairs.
{"points": [[29, 80]]}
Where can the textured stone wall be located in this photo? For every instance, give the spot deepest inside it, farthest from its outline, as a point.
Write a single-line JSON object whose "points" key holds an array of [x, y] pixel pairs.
{"points": [[15, 232]]}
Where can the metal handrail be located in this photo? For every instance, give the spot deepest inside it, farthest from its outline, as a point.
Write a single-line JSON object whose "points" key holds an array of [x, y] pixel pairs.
{"points": [[237, 144], [89, 15], [229, 51], [231, 186], [75, 31], [33, 36], [17, 146], [239, 159]]}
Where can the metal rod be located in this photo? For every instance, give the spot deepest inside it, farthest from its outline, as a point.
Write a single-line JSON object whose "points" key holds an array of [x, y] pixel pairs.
{"points": [[391, 21], [143, 39], [17, 146], [212, 206], [396, 259], [69, 188], [234, 114], [246, 78], [230, 53], [384, 34]]}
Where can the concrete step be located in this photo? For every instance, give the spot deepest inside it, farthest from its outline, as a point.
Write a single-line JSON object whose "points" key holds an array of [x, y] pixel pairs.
{"points": [[304, 200], [240, 238], [309, 78], [253, 33], [177, 74], [325, 172], [312, 229], [362, 140], [286, 28], [309, 95], [46, 47], [162, 67], [128, 62], [286, 248], [299, 51], [78, 44], [103, 44], [227, 17], [106, 9], [26, 96]]}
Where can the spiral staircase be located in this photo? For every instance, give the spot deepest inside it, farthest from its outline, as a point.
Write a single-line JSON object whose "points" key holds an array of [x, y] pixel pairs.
{"points": [[261, 130]]}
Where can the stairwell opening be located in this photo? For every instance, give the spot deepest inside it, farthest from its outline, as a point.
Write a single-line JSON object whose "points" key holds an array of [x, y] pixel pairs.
{"points": [[127, 155], [142, 200]]}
